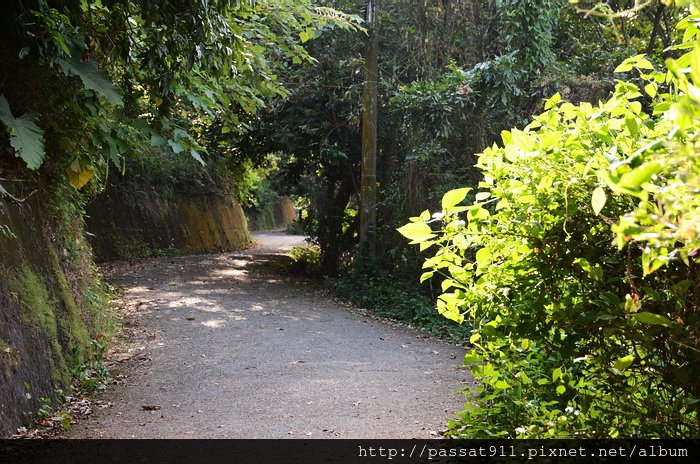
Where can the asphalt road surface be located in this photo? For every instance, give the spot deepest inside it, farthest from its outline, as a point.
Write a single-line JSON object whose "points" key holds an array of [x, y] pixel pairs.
{"points": [[232, 346]]}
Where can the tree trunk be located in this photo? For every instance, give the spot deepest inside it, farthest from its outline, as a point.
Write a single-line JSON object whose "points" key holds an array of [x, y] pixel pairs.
{"points": [[368, 187]]}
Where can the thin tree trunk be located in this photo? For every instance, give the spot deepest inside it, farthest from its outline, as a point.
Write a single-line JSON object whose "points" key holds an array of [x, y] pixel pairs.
{"points": [[368, 188]]}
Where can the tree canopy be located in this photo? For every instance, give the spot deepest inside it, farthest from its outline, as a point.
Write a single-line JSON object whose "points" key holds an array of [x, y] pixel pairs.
{"points": [[128, 74]]}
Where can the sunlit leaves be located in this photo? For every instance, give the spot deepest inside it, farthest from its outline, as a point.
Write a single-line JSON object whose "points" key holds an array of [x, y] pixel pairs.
{"points": [[637, 61], [539, 263], [417, 231], [453, 198], [598, 200]]}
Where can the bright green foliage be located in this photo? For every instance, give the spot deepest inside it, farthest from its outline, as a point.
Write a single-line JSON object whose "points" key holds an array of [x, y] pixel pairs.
{"points": [[577, 264]]}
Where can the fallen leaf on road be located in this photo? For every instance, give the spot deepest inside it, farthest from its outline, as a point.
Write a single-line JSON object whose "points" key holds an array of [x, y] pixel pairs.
{"points": [[150, 407]]}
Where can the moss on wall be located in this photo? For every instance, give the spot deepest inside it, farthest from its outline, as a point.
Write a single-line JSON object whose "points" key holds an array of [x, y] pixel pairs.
{"points": [[51, 301], [72, 325], [38, 310], [160, 223]]}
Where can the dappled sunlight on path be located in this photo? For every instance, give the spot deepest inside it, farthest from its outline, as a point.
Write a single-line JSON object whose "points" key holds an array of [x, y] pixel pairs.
{"points": [[236, 348]]}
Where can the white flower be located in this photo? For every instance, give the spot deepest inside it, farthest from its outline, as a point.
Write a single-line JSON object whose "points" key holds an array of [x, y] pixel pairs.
{"points": [[438, 216], [569, 410], [521, 430], [459, 223]]}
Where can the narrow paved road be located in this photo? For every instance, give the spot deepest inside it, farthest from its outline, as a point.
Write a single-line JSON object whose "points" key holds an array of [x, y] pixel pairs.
{"points": [[229, 346]]}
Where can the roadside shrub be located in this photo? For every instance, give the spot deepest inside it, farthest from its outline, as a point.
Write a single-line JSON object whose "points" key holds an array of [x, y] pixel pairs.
{"points": [[577, 264]]}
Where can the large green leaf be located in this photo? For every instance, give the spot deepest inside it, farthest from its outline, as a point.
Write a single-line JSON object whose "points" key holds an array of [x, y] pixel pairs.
{"points": [[25, 136], [638, 176], [416, 231], [653, 319], [453, 197], [92, 78]]}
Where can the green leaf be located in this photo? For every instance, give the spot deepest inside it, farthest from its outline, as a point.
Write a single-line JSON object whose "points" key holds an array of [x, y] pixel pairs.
{"points": [[651, 89], [176, 146], [481, 196], [425, 245], [552, 102], [556, 374], [644, 64], [426, 275], [483, 257], [624, 362], [638, 176], [523, 378], [561, 389], [599, 199], [625, 66], [158, 141], [416, 231], [197, 156], [653, 319], [500, 385], [453, 197], [305, 36], [636, 61], [92, 78], [472, 357], [25, 136]]}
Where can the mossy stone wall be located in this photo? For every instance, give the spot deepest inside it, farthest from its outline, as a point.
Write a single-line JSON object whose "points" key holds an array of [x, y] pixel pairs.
{"points": [[45, 332], [128, 223], [273, 215]]}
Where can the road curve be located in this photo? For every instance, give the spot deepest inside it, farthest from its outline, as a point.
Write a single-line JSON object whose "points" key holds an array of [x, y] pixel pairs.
{"points": [[230, 346]]}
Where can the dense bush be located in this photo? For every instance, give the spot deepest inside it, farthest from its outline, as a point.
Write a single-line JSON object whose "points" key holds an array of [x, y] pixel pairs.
{"points": [[576, 264]]}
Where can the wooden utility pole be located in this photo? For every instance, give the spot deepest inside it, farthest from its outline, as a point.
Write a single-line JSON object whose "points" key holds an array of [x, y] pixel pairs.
{"points": [[368, 187]]}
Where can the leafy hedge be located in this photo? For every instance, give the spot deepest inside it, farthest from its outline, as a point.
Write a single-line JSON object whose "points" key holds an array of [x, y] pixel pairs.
{"points": [[577, 264]]}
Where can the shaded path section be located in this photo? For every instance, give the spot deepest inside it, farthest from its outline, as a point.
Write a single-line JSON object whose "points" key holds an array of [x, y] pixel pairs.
{"points": [[231, 347]]}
